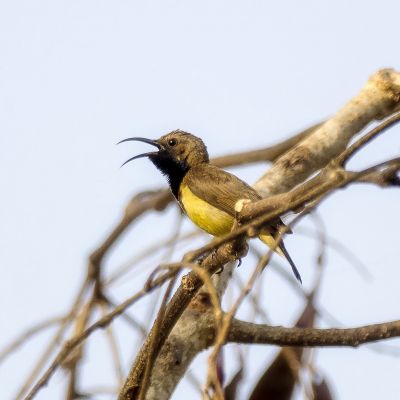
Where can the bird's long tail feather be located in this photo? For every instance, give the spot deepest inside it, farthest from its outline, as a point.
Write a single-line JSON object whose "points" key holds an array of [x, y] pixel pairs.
{"points": [[281, 250]]}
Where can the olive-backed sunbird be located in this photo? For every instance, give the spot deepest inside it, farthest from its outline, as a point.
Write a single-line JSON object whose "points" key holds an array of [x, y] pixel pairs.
{"points": [[206, 193]]}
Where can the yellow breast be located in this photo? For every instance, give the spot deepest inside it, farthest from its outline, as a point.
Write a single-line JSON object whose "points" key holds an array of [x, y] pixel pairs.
{"points": [[204, 215]]}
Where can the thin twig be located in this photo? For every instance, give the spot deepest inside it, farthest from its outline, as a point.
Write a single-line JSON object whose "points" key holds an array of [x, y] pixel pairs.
{"points": [[54, 341], [351, 150], [115, 354], [71, 344], [270, 153], [27, 335], [71, 363]]}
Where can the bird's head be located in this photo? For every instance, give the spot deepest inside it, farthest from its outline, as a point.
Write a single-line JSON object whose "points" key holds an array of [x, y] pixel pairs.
{"points": [[176, 150]]}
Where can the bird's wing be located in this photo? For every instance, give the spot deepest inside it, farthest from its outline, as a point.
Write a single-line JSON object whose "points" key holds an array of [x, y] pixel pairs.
{"points": [[218, 187], [222, 190]]}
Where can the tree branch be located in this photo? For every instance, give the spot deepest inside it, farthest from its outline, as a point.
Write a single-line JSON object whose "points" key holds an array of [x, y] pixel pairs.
{"points": [[378, 99], [270, 153], [191, 283], [246, 332]]}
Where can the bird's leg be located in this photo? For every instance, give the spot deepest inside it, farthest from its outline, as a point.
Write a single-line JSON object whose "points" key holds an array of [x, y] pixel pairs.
{"points": [[211, 253], [241, 249]]}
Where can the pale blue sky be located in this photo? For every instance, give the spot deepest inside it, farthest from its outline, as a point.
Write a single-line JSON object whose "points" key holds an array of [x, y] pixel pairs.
{"points": [[77, 76]]}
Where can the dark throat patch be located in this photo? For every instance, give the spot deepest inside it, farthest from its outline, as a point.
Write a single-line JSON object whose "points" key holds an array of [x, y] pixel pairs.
{"points": [[174, 170]]}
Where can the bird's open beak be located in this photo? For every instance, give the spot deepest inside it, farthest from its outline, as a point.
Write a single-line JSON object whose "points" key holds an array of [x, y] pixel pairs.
{"points": [[139, 139]]}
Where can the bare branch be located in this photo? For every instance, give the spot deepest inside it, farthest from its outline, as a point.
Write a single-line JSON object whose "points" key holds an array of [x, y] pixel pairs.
{"points": [[172, 364], [378, 99], [113, 343], [26, 335], [351, 150], [53, 343], [71, 344], [191, 283], [247, 332], [270, 153]]}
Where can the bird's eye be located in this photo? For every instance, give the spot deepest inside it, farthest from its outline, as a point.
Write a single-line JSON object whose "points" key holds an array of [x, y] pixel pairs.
{"points": [[172, 142]]}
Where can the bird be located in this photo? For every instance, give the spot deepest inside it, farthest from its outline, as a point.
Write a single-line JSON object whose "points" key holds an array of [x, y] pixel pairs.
{"points": [[206, 193]]}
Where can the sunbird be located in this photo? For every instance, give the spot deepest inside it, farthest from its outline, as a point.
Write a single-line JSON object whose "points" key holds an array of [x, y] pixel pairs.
{"points": [[207, 194]]}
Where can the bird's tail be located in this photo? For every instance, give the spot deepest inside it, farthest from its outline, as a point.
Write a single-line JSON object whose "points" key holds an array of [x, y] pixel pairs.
{"points": [[281, 250]]}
